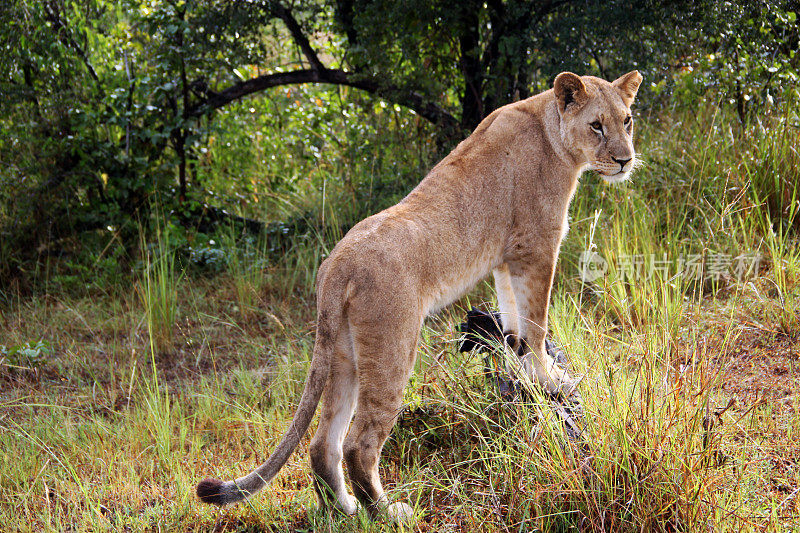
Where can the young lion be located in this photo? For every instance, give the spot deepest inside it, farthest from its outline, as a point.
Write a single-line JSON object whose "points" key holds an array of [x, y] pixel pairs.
{"points": [[497, 203]]}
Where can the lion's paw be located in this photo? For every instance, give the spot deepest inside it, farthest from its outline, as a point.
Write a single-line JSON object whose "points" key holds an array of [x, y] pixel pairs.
{"points": [[400, 512], [562, 387], [349, 506]]}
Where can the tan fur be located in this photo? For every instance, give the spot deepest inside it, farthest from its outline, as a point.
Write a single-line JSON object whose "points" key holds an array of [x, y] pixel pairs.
{"points": [[496, 204]]}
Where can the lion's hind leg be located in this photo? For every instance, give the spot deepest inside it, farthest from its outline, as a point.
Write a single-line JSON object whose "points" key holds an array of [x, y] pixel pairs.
{"points": [[338, 405], [385, 361]]}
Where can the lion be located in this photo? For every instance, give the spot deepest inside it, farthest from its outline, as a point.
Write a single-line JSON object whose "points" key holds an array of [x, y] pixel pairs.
{"points": [[497, 203]]}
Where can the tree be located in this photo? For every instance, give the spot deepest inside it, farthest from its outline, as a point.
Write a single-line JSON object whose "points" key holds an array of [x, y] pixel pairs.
{"points": [[455, 62], [104, 103]]}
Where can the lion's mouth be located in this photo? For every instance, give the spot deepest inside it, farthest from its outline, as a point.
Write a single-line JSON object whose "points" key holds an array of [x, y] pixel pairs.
{"points": [[615, 178]]}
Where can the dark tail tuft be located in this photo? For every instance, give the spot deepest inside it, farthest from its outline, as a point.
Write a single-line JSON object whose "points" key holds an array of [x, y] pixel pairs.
{"points": [[210, 491]]}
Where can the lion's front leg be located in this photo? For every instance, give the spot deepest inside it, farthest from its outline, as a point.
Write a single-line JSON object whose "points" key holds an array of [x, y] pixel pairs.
{"points": [[531, 281], [509, 313]]}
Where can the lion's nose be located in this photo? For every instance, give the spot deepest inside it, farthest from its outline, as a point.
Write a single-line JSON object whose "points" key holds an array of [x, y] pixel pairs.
{"points": [[622, 162]]}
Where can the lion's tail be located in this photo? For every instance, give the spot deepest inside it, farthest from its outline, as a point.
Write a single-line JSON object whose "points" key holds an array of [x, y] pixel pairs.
{"points": [[329, 319]]}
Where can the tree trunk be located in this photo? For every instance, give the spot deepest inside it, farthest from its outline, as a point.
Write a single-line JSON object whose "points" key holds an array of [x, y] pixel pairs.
{"points": [[469, 45]]}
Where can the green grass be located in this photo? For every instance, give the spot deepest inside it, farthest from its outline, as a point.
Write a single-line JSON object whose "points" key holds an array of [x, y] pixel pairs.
{"points": [[114, 403], [158, 290]]}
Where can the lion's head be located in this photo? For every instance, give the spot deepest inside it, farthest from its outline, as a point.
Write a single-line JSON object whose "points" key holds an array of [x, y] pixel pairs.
{"points": [[596, 121]]}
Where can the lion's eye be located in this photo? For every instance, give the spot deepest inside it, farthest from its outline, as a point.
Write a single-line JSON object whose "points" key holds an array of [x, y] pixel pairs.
{"points": [[628, 120], [596, 126]]}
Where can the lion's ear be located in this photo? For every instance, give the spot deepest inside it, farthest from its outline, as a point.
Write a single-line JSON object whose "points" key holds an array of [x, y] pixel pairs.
{"points": [[628, 85], [569, 90]]}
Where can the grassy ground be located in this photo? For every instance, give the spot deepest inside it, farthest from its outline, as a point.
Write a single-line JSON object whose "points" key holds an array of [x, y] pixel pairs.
{"points": [[116, 400]]}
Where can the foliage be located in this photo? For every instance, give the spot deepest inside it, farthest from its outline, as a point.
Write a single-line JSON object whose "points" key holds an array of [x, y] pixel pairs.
{"points": [[487, 54], [748, 55], [26, 355], [96, 108]]}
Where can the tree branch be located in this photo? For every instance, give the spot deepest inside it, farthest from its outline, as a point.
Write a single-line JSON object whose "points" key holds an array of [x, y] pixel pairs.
{"points": [[546, 8], [65, 36], [299, 37], [318, 73], [412, 100]]}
